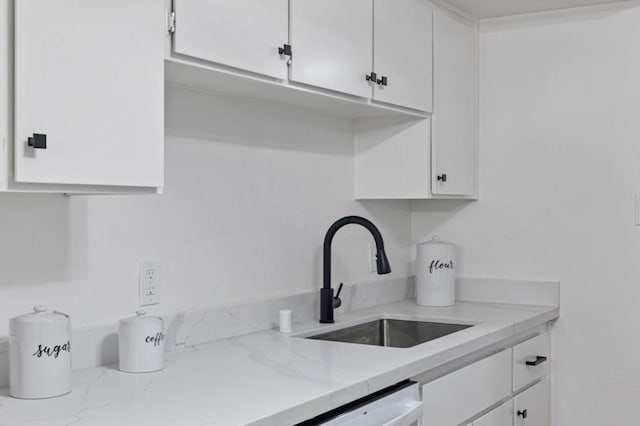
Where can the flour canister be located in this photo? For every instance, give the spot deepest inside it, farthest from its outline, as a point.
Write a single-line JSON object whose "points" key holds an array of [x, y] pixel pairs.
{"points": [[141, 343], [40, 354], [435, 273]]}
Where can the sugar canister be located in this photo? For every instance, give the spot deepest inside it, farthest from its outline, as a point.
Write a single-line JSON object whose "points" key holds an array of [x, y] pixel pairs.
{"points": [[141, 343], [40, 354]]}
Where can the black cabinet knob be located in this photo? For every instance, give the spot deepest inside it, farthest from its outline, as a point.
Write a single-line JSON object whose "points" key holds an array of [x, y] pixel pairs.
{"points": [[522, 413], [442, 177], [37, 141], [372, 77], [382, 81], [285, 50], [539, 360]]}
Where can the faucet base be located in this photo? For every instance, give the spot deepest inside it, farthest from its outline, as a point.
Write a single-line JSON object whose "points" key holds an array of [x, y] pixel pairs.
{"points": [[326, 306]]}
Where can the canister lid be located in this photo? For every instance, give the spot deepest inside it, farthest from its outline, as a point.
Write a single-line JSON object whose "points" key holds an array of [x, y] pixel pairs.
{"points": [[141, 316], [435, 240], [40, 315]]}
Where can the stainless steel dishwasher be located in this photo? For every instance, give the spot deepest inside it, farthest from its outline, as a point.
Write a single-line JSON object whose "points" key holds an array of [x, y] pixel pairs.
{"points": [[397, 405]]}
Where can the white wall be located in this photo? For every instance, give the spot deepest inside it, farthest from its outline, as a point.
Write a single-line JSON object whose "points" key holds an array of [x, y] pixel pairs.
{"points": [[560, 164], [251, 188]]}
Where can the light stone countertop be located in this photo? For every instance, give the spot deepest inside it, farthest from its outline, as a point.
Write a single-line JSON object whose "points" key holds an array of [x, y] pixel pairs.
{"points": [[266, 378]]}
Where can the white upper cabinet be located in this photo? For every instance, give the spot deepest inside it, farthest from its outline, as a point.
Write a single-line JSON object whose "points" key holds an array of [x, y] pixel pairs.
{"points": [[454, 125], [332, 47], [403, 53], [89, 75], [424, 158], [244, 34]]}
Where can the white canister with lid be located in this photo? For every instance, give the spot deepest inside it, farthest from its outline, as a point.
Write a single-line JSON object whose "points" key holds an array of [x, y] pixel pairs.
{"points": [[435, 273], [141, 343], [40, 354]]}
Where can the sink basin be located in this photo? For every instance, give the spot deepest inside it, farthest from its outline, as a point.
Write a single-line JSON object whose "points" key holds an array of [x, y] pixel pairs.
{"points": [[391, 332]]}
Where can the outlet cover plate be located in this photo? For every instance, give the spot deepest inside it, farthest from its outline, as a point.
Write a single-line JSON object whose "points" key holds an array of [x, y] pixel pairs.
{"points": [[148, 283]]}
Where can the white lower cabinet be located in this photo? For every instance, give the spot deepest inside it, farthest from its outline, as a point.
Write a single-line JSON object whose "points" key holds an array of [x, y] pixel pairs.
{"points": [[483, 393], [458, 396], [500, 416], [531, 361], [532, 407]]}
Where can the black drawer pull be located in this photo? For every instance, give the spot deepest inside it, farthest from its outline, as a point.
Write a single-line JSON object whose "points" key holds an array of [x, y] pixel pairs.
{"points": [[539, 360], [442, 177], [523, 413], [371, 77]]}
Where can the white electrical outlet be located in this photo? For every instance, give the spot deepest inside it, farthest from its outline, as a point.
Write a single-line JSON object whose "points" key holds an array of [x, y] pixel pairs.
{"points": [[149, 283], [373, 268]]}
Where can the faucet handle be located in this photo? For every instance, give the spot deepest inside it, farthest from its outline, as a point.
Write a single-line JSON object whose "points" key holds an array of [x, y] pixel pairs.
{"points": [[337, 302]]}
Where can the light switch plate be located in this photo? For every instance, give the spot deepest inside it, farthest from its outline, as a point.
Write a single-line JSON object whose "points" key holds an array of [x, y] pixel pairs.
{"points": [[148, 283]]}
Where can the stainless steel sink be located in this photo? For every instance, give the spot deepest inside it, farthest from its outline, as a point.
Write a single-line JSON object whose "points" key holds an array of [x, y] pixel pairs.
{"points": [[391, 332]]}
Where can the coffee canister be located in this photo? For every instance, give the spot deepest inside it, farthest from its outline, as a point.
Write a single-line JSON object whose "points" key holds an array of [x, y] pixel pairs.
{"points": [[141, 343], [435, 273], [39, 354]]}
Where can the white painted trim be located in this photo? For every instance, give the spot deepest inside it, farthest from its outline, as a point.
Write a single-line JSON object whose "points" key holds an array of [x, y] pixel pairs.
{"points": [[552, 16], [456, 10]]}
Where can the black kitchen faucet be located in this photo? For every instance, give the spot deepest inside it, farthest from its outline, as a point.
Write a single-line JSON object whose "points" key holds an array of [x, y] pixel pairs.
{"points": [[327, 301]]}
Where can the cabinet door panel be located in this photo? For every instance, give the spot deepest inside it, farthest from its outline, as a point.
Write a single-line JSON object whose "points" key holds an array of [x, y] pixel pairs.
{"points": [[455, 105], [243, 34], [530, 350], [536, 402], [332, 44], [500, 416], [403, 52], [456, 397], [90, 75]]}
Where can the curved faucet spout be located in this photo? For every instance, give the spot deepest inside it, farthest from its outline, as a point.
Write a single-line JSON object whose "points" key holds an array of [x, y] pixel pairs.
{"points": [[382, 262]]}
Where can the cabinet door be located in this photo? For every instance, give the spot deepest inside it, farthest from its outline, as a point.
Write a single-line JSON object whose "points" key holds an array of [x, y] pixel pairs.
{"points": [[243, 34], [454, 107], [403, 52], [536, 351], [332, 44], [90, 75], [532, 407], [456, 397], [501, 416]]}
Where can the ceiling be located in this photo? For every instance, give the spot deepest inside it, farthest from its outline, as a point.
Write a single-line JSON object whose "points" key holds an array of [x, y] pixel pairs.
{"points": [[495, 8]]}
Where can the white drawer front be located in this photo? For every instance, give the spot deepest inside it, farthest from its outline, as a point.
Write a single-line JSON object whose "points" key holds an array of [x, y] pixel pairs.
{"points": [[454, 398], [532, 407], [500, 416], [534, 351]]}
